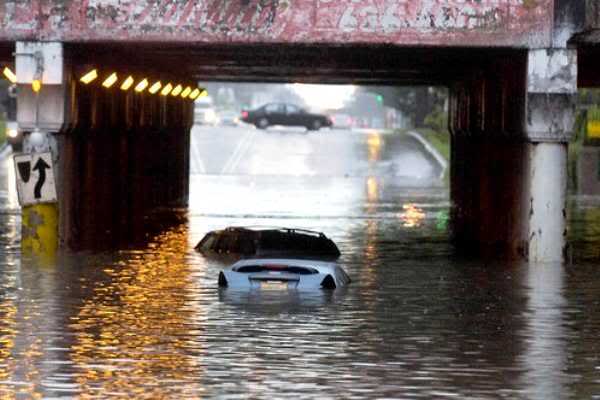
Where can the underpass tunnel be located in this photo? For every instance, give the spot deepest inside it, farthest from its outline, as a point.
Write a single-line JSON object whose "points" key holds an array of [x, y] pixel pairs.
{"points": [[125, 154]]}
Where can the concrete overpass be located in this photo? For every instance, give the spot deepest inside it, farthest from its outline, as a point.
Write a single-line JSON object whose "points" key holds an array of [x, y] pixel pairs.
{"points": [[511, 66]]}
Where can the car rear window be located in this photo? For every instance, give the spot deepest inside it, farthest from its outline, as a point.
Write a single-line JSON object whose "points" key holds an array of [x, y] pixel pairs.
{"points": [[291, 269]]}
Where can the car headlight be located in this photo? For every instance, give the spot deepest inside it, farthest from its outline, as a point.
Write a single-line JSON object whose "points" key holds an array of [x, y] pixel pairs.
{"points": [[211, 116], [12, 133]]}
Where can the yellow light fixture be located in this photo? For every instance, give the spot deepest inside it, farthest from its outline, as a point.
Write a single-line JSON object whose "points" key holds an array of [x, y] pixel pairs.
{"points": [[108, 82], [7, 72], [186, 92], [127, 83], [203, 93], [194, 94], [141, 85], [166, 90], [36, 85], [155, 87], [89, 77], [177, 90]]}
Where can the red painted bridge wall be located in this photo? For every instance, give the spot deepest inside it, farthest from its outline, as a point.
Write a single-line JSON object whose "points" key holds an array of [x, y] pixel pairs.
{"points": [[519, 23]]}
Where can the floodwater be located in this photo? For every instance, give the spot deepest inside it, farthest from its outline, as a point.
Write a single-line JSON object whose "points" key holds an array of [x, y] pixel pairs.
{"points": [[416, 322]]}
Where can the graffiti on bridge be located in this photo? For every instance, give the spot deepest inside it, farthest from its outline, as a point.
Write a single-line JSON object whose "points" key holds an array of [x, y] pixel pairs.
{"points": [[400, 21]]}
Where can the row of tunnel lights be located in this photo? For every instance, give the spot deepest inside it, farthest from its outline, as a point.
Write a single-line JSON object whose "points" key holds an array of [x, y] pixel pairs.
{"points": [[126, 84], [157, 87]]}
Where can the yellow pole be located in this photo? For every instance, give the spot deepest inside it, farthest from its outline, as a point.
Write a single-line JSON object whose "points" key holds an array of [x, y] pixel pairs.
{"points": [[39, 234]]}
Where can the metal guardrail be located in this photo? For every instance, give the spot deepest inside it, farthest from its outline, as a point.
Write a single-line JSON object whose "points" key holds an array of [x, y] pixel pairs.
{"points": [[431, 150]]}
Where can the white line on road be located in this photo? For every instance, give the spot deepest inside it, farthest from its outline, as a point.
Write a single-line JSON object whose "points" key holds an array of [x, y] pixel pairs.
{"points": [[197, 166], [238, 153]]}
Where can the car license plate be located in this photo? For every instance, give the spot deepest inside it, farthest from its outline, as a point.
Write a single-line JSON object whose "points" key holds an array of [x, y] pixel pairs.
{"points": [[274, 285]]}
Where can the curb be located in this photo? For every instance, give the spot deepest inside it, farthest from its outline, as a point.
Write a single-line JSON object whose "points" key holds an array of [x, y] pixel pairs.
{"points": [[431, 150]]}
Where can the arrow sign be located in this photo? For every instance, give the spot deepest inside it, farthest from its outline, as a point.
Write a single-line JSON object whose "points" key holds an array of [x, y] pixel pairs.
{"points": [[41, 166], [35, 178]]}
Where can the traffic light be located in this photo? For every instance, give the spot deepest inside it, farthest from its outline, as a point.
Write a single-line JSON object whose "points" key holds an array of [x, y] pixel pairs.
{"points": [[379, 99]]}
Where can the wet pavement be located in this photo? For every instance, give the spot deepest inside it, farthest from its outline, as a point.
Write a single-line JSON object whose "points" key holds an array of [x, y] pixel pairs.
{"points": [[416, 322]]}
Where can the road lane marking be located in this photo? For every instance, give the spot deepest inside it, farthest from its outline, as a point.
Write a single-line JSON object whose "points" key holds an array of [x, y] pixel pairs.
{"points": [[238, 153], [197, 164]]}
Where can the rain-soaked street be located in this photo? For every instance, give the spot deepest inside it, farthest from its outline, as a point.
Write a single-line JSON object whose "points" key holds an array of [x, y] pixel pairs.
{"points": [[416, 321]]}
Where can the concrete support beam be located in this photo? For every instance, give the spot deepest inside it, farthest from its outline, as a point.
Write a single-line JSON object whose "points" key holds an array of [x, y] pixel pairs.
{"points": [[551, 102], [547, 205], [551, 94], [41, 115], [125, 156], [46, 109], [510, 124], [119, 156]]}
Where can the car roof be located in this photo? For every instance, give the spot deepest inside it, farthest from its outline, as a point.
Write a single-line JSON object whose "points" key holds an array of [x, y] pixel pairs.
{"points": [[261, 228], [321, 266]]}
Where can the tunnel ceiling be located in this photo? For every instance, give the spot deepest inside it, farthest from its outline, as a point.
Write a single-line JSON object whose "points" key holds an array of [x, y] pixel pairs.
{"points": [[287, 63]]}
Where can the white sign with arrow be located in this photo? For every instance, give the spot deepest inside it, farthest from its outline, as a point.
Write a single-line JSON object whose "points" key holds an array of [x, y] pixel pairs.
{"points": [[35, 178]]}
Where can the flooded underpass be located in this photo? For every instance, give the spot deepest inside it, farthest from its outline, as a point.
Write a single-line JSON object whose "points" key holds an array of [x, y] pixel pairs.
{"points": [[416, 321]]}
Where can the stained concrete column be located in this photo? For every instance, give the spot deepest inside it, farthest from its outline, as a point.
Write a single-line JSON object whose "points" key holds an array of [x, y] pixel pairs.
{"points": [[551, 101], [488, 159], [510, 121], [41, 109]]}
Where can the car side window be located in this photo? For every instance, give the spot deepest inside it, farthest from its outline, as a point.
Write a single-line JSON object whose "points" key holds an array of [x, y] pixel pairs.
{"points": [[290, 109], [272, 108]]}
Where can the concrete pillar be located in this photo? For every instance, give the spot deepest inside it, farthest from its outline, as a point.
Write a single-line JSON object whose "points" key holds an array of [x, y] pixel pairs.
{"points": [[551, 101], [125, 158], [119, 156], [510, 123], [547, 206], [489, 159], [40, 114]]}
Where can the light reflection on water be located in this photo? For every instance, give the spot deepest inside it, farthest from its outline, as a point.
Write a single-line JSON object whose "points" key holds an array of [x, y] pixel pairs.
{"points": [[414, 323]]}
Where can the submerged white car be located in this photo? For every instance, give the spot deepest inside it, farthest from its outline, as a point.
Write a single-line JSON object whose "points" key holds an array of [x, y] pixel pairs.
{"points": [[263, 273]]}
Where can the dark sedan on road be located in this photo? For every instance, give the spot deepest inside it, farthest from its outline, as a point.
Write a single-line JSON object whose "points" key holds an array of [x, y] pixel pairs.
{"points": [[286, 115]]}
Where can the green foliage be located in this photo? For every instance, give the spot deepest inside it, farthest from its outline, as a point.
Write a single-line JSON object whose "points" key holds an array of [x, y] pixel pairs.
{"points": [[437, 120], [593, 113], [415, 102], [589, 109], [588, 97], [2, 130]]}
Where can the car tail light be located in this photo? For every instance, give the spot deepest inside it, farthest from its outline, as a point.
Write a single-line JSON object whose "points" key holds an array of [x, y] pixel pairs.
{"points": [[222, 280], [328, 282], [244, 114]]}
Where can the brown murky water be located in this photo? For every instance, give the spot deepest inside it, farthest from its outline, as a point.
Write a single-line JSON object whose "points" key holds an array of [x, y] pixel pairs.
{"points": [[416, 322]]}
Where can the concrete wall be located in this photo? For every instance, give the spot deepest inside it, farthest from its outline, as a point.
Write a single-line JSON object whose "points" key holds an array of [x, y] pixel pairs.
{"points": [[524, 23], [123, 156], [489, 159]]}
